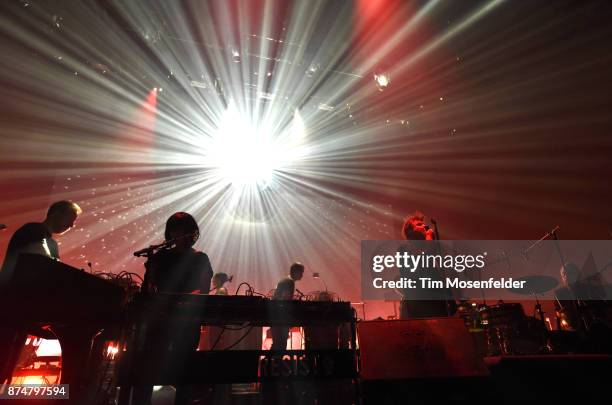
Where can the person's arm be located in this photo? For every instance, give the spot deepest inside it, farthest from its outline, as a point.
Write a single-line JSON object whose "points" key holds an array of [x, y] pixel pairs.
{"points": [[149, 283], [38, 248]]}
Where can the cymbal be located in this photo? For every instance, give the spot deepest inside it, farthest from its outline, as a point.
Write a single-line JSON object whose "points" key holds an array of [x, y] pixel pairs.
{"points": [[535, 285]]}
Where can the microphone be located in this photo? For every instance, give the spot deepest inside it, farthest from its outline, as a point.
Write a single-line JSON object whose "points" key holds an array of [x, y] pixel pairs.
{"points": [[149, 250]]}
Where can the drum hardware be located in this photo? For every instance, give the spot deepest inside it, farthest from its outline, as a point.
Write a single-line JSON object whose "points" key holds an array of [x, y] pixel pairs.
{"points": [[535, 285]]}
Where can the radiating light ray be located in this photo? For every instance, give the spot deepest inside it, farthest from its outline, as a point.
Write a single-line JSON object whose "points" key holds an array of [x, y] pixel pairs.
{"points": [[340, 166]]}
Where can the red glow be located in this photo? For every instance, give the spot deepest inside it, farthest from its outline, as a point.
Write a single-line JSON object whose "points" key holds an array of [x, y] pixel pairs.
{"points": [[33, 380], [144, 121]]}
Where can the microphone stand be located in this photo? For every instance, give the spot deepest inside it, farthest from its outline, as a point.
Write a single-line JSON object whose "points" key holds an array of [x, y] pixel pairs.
{"points": [[549, 235], [436, 233], [149, 251]]}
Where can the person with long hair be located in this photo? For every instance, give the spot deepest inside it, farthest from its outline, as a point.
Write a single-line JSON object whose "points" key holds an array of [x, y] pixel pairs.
{"points": [[178, 269]]}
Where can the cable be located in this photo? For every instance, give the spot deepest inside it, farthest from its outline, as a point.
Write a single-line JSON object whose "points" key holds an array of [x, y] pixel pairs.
{"points": [[238, 328], [240, 339], [218, 339], [249, 289]]}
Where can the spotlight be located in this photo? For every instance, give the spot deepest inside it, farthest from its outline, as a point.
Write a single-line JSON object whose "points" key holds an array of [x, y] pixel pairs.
{"points": [[235, 55], [245, 154], [382, 80], [150, 35], [57, 21], [312, 69]]}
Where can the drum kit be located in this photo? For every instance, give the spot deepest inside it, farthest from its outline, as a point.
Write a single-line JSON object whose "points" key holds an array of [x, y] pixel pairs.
{"points": [[505, 329]]}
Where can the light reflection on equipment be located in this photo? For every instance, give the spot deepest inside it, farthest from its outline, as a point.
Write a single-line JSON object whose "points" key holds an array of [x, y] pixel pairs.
{"points": [[111, 350], [39, 362]]}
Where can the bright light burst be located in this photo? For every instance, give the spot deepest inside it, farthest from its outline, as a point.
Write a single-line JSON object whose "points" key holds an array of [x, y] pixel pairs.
{"points": [[269, 129], [247, 154]]}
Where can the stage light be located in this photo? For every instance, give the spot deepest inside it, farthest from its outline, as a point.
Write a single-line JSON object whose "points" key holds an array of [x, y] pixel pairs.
{"points": [[382, 80], [33, 380], [57, 21], [112, 350], [312, 69], [243, 153], [235, 55]]}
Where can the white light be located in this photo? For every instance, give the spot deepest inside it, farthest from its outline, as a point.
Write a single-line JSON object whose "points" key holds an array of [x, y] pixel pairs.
{"points": [[298, 128], [49, 348], [326, 107], [200, 85], [235, 55], [243, 154], [266, 96], [382, 80], [313, 69], [248, 155]]}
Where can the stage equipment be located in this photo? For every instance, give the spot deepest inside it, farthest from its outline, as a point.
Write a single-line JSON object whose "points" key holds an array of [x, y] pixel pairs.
{"points": [[417, 348], [138, 366], [70, 303]]}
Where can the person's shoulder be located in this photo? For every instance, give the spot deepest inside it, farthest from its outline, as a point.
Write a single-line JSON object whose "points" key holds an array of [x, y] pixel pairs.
{"points": [[202, 260], [286, 281], [201, 255], [31, 228]]}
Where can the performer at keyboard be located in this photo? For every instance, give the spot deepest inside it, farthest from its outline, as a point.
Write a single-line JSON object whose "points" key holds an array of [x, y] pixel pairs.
{"points": [[285, 289], [218, 281], [179, 269], [423, 303], [37, 238]]}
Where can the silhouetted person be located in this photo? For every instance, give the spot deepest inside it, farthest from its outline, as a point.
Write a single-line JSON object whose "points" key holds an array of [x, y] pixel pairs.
{"points": [[285, 290], [37, 238], [179, 269], [423, 302], [218, 281]]}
